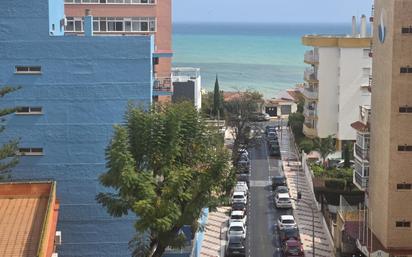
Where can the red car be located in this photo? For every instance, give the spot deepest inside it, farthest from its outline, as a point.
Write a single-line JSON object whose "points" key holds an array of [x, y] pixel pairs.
{"points": [[293, 247]]}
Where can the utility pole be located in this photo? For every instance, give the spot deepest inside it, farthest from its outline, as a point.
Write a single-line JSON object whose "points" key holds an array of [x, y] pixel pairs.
{"points": [[313, 220]]}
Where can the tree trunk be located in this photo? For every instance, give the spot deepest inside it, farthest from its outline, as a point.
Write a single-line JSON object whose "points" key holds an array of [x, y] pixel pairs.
{"points": [[160, 249]]}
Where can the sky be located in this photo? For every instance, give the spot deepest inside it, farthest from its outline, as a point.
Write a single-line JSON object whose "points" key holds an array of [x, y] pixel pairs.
{"points": [[269, 11]]}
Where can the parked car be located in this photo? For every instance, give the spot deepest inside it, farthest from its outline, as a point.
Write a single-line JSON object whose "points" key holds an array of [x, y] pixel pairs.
{"points": [[270, 128], [272, 135], [243, 166], [244, 177], [283, 200], [238, 207], [236, 229], [238, 216], [239, 197], [289, 233], [281, 189], [260, 117], [242, 185], [241, 188], [274, 150], [292, 247], [286, 221], [279, 180], [243, 151], [235, 246]]}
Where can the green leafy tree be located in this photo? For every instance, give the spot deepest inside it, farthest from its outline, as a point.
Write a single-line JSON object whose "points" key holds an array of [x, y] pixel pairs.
{"points": [[306, 145], [8, 158], [325, 147], [165, 166], [296, 121], [239, 115], [346, 154]]}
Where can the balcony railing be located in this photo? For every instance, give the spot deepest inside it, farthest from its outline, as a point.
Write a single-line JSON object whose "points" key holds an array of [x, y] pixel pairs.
{"points": [[310, 75], [360, 181], [311, 57], [309, 112], [310, 92], [163, 84], [361, 153], [309, 130], [365, 113]]}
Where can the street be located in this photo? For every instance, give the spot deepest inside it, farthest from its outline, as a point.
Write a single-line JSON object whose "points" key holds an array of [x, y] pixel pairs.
{"points": [[263, 238]]}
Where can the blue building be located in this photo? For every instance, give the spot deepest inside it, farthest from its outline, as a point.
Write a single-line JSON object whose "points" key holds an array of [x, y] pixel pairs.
{"points": [[73, 90]]}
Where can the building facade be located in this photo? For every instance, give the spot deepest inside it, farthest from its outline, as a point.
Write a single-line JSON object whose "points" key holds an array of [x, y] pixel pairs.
{"points": [[73, 90], [361, 148], [389, 209], [131, 17], [187, 85], [336, 83]]}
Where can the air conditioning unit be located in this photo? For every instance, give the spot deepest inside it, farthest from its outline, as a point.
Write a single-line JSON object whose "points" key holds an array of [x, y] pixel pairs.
{"points": [[58, 238], [55, 255]]}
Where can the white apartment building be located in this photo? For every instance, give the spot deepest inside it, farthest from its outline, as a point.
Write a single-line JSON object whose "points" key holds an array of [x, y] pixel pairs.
{"points": [[187, 85], [336, 83]]}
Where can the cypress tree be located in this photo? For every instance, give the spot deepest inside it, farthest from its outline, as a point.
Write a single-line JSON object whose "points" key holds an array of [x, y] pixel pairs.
{"points": [[216, 98]]}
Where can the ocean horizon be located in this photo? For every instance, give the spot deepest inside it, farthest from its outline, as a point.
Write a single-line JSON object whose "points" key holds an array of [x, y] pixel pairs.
{"points": [[267, 57]]}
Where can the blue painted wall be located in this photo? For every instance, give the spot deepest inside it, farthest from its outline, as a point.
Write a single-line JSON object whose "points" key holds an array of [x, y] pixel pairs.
{"points": [[85, 86]]}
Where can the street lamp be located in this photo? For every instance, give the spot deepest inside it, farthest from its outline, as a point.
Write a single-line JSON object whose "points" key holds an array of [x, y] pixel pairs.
{"points": [[313, 221]]}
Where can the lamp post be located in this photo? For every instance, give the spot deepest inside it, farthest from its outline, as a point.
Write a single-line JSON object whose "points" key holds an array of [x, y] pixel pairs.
{"points": [[313, 220]]}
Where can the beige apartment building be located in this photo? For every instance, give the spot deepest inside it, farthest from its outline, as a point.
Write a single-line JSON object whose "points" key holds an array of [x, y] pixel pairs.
{"points": [[389, 199]]}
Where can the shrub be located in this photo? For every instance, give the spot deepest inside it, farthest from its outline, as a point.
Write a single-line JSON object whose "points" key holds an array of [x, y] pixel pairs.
{"points": [[306, 145], [334, 183], [318, 171]]}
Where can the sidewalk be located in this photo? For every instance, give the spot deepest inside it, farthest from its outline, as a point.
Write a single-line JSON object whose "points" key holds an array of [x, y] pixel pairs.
{"points": [[296, 180], [214, 241]]}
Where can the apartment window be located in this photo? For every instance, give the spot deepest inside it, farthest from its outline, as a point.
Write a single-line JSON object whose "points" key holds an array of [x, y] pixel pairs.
{"points": [[404, 186], [28, 69], [366, 72], [405, 148], [406, 69], [34, 151], [366, 53], [29, 110], [403, 224], [110, 1], [114, 24], [406, 30], [405, 109]]}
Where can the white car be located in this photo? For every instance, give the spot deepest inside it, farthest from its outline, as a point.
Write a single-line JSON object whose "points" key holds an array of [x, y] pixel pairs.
{"points": [[236, 228], [242, 187], [239, 197], [286, 222], [282, 200], [238, 216]]}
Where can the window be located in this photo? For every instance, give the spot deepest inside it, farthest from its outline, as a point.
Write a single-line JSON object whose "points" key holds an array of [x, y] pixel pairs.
{"points": [[35, 151], [405, 148], [366, 72], [403, 224], [406, 30], [28, 69], [404, 186], [29, 110], [406, 69], [110, 1], [114, 24], [405, 109], [366, 52]]}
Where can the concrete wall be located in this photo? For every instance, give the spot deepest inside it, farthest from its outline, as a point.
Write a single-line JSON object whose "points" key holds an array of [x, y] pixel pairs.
{"points": [[351, 93], [84, 88], [328, 91], [389, 128]]}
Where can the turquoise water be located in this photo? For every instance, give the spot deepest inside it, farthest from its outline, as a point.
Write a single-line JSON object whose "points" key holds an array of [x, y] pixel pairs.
{"points": [[263, 57]]}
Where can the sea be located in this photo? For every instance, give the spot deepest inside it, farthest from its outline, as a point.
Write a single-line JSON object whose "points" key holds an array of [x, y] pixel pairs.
{"points": [[263, 57]]}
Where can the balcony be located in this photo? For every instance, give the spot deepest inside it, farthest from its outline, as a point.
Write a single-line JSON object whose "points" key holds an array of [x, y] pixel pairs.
{"points": [[310, 92], [310, 112], [309, 130], [359, 180], [361, 153], [311, 57], [365, 113], [162, 86], [310, 75]]}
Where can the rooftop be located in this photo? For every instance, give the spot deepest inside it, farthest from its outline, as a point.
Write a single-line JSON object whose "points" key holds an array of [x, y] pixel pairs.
{"points": [[341, 41], [26, 216]]}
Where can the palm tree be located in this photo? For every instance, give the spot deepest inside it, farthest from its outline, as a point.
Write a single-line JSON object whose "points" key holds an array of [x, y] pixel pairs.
{"points": [[325, 146]]}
